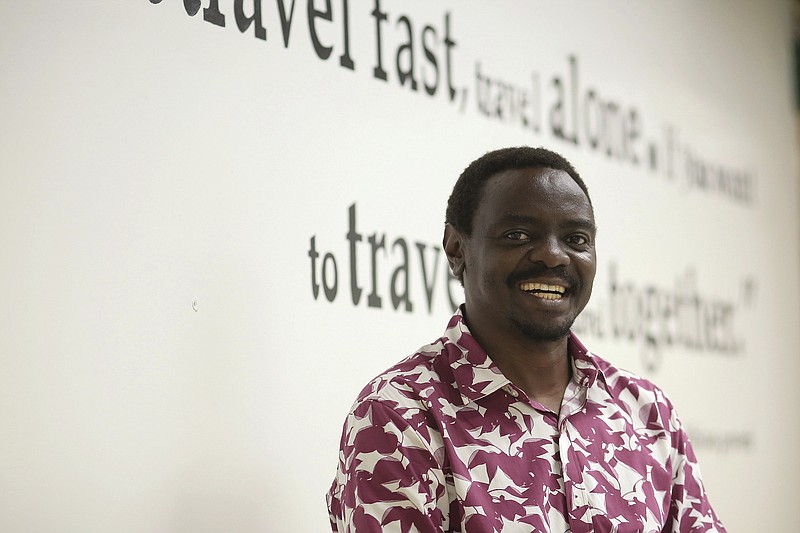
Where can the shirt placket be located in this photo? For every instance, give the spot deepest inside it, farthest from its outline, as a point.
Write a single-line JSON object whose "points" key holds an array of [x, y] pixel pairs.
{"points": [[580, 510]]}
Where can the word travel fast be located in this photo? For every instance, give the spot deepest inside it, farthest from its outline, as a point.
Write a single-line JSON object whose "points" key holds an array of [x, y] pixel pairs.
{"points": [[423, 53]]}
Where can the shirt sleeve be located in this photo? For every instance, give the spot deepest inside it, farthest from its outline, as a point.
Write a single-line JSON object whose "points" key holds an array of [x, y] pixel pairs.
{"points": [[388, 479], [690, 509]]}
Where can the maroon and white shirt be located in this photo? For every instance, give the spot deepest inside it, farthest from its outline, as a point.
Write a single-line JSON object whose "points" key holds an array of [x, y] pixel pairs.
{"points": [[443, 441]]}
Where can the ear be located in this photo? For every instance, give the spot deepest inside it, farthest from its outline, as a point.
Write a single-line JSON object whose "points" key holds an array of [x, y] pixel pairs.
{"points": [[453, 244]]}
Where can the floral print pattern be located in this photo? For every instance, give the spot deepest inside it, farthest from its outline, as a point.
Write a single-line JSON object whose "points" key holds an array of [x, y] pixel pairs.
{"points": [[444, 442]]}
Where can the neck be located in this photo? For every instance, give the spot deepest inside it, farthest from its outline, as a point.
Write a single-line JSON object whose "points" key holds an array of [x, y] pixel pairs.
{"points": [[542, 369]]}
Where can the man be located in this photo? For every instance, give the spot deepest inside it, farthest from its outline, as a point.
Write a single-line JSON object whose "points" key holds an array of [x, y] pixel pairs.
{"points": [[507, 422]]}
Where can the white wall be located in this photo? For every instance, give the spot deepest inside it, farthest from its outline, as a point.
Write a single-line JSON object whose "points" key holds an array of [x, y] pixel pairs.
{"points": [[164, 364]]}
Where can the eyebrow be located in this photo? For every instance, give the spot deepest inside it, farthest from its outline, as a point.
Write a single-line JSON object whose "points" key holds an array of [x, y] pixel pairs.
{"points": [[582, 223]]}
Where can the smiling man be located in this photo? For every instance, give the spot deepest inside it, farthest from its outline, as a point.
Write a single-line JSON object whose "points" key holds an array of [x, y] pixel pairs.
{"points": [[507, 422]]}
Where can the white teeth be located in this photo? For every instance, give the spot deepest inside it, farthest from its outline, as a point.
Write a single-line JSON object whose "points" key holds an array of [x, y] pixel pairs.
{"points": [[543, 290], [547, 295]]}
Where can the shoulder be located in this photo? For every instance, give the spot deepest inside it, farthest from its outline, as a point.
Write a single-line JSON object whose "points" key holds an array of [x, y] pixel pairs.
{"points": [[618, 379], [397, 410], [638, 395], [412, 382], [627, 389]]}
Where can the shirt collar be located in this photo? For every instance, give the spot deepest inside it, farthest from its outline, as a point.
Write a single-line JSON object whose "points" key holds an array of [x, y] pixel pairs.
{"points": [[475, 374], [585, 370]]}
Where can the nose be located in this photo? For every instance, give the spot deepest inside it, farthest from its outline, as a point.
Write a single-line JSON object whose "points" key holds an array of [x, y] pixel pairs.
{"points": [[550, 251]]}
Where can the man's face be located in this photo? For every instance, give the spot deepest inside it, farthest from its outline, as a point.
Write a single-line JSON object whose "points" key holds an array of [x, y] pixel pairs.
{"points": [[529, 264]]}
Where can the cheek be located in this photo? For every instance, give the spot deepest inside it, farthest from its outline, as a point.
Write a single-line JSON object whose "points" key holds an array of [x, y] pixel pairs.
{"points": [[588, 271], [586, 265], [589, 285], [486, 276]]}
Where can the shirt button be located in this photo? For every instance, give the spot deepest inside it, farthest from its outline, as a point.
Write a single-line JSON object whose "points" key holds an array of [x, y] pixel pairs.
{"points": [[580, 497]]}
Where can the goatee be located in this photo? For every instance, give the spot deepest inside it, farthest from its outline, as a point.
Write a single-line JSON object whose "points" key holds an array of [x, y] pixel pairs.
{"points": [[541, 332]]}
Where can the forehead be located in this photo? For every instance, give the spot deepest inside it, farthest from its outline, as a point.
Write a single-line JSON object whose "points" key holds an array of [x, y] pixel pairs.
{"points": [[537, 193]]}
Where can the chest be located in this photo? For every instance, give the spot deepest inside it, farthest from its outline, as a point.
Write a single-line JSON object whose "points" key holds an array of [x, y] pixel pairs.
{"points": [[510, 464]]}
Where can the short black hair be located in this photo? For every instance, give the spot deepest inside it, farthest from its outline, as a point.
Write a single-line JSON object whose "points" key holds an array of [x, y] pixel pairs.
{"points": [[467, 191]]}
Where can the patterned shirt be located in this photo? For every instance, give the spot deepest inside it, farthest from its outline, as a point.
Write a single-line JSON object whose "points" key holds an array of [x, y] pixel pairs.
{"points": [[444, 442]]}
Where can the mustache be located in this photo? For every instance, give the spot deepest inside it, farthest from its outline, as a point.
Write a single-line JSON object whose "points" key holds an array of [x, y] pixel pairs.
{"points": [[539, 270]]}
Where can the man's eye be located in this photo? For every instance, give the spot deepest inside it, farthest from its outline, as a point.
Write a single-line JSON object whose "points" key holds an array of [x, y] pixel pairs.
{"points": [[580, 240], [516, 235]]}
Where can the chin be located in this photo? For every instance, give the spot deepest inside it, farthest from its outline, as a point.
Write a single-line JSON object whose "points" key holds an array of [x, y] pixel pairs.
{"points": [[543, 332]]}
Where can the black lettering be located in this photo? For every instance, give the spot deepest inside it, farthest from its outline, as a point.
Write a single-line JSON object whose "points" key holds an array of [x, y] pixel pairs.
{"points": [[672, 149], [428, 285], [591, 129], [573, 69], [406, 49], [323, 52], [430, 89], [482, 90], [373, 300], [667, 312], [536, 96], [286, 23], [520, 107], [708, 320], [353, 237], [330, 290], [449, 44], [499, 96], [380, 16], [614, 299], [634, 131], [557, 111], [728, 332], [614, 130], [191, 6], [243, 22], [212, 14], [651, 299], [345, 60], [313, 254], [403, 297]]}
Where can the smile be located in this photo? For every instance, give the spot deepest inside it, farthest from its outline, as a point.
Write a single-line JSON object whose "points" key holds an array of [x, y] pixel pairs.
{"points": [[543, 290]]}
